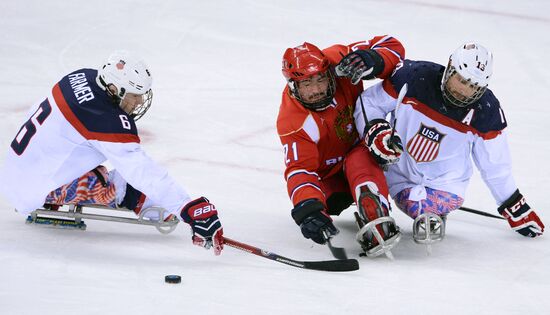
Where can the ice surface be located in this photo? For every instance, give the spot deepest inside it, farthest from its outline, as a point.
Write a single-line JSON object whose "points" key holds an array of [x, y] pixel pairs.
{"points": [[217, 83]]}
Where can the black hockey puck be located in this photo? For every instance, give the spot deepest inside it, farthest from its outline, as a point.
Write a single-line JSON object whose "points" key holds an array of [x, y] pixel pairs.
{"points": [[172, 279]]}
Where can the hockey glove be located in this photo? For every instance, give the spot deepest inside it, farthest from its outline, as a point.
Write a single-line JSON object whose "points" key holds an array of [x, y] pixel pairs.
{"points": [[520, 216], [360, 64], [314, 221], [385, 147], [202, 216]]}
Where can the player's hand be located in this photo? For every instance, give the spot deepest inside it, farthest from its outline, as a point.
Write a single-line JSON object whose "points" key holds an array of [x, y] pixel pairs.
{"points": [[384, 144], [314, 221], [202, 216], [360, 64], [520, 216]]}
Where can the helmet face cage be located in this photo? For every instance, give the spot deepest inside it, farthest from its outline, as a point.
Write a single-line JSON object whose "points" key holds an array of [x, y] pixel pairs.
{"points": [[472, 65], [141, 109], [318, 105], [463, 101]]}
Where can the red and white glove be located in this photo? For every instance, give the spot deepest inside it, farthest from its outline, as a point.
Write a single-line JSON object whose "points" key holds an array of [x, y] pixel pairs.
{"points": [[520, 216], [385, 147], [202, 216]]}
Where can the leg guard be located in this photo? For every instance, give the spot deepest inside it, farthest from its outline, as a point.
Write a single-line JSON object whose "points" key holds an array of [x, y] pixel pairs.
{"points": [[90, 188], [378, 233], [432, 201]]}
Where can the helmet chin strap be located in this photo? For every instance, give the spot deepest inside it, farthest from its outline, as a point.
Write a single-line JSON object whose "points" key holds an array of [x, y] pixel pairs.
{"points": [[117, 98]]}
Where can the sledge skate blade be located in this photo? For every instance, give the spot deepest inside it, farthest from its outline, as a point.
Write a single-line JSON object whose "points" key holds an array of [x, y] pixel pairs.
{"points": [[384, 246], [423, 232], [56, 223]]}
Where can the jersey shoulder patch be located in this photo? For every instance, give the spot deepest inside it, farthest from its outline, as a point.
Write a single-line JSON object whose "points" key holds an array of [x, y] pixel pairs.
{"points": [[291, 116], [91, 111]]}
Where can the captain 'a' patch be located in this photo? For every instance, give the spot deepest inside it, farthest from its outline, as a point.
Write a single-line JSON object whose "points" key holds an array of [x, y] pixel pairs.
{"points": [[424, 145]]}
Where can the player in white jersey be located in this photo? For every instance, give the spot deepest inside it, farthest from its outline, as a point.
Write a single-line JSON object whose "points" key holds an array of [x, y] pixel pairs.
{"points": [[447, 118], [88, 118]]}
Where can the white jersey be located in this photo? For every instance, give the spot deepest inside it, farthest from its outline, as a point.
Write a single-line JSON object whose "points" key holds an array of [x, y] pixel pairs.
{"points": [[74, 129], [440, 141]]}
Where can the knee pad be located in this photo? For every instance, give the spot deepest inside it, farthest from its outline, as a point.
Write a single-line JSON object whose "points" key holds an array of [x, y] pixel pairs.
{"points": [[338, 202]]}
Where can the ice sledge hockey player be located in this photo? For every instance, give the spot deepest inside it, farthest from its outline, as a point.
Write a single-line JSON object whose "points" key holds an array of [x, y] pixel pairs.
{"points": [[88, 118], [328, 166], [448, 117]]}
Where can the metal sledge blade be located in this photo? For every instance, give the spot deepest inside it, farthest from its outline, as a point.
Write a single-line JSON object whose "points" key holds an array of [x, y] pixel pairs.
{"points": [[428, 228], [57, 222], [75, 214], [384, 246]]}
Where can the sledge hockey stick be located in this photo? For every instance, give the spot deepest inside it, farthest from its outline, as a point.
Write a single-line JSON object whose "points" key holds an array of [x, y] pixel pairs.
{"points": [[328, 265], [479, 212], [364, 117], [400, 98], [337, 252]]}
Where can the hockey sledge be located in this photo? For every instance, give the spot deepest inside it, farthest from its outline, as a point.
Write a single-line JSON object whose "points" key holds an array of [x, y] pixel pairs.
{"points": [[74, 216], [429, 228]]}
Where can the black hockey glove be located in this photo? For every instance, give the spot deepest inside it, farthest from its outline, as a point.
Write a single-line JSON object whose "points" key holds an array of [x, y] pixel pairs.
{"points": [[360, 64], [385, 147], [202, 216], [314, 221], [520, 216]]}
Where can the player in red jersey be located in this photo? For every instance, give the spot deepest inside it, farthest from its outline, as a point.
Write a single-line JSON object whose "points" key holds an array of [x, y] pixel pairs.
{"points": [[328, 166]]}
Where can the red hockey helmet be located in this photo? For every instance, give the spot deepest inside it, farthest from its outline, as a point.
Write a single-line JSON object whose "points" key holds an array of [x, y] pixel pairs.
{"points": [[303, 62]]}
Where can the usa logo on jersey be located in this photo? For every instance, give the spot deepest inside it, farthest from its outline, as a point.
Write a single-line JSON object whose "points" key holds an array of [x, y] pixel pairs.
{"points": [[424, 146]]}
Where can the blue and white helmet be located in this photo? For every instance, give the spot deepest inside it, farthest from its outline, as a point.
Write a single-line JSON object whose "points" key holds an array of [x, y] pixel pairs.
{"points": [[129, 74], [474, 65]]}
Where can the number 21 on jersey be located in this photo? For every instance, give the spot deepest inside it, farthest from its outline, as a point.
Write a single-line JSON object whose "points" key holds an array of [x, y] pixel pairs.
{"points": [[292, 153]]}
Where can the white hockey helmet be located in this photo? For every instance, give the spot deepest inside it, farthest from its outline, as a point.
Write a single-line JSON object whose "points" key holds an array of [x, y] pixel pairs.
{"points": [[473, 66], [129, 74]]}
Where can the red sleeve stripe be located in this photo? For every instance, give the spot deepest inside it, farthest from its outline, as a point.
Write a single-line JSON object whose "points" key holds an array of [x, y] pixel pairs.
{"points": [[77, 124], [438, 117], [302, 186], [296, 172]]}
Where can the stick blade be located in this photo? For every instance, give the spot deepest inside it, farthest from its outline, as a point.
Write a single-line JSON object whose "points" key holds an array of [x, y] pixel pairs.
{"points": [[333, 265], [338, 252]]}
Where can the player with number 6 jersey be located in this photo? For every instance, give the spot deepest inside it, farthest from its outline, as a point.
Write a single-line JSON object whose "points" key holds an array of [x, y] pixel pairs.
{"points": [[88, 118]]}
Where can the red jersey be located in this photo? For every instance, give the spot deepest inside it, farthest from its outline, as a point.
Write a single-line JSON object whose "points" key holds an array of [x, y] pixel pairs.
{"points": [[315, 143]]}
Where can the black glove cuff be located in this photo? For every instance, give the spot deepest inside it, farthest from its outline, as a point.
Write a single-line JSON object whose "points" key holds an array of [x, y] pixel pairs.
{"points": [[514, 205], [305, 208], [379, 121], [376, 58]]}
